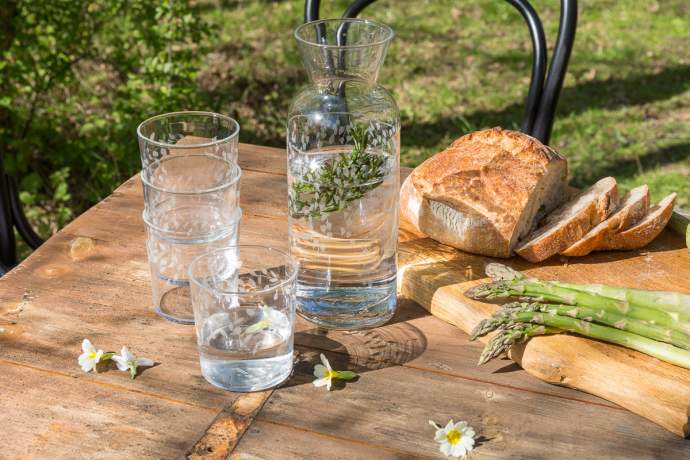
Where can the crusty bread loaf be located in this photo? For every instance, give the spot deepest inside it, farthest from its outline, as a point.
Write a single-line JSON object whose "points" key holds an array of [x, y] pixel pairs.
{"points": [[562, 228], [643, 232], [485, 191], [633, 208]]}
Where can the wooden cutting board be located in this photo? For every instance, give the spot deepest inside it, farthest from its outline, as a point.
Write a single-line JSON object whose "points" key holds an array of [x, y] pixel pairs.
{"points": [[436, 276]]}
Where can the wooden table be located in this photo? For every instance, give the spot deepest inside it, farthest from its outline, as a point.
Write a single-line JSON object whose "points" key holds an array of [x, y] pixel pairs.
{"points": [[414, 369]]}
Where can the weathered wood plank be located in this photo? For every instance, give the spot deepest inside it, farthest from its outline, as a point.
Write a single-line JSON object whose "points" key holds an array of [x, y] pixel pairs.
{"points": [[50, 415], [290, 443], [390, 406]]}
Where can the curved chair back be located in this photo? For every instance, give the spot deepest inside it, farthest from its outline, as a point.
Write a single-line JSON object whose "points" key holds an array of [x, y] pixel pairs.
{"points": [[545, 87]]}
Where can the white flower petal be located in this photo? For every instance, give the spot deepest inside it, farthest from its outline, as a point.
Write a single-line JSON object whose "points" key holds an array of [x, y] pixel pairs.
{"points": [[445, 448], [461, 425], [319, 371], [86, 346], [469, 431], [328, 384], [449, 426], [440, 436], [320, 382], [467, 442], [125, 353], [145, 362], [458, 450], [99, 354], [121, 363], [325, 362], [85, 362]]}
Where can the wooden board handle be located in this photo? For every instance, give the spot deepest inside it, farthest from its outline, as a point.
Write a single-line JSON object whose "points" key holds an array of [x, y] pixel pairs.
{"points": [[436, 277]]}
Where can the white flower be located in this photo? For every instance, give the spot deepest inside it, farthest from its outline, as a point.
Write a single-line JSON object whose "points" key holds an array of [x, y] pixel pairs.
{"points": [[126, 361], [270, 319], [325, 374], [457, 440], [90, 356]]}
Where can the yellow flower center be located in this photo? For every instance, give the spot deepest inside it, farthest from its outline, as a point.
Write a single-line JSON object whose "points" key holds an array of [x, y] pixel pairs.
{"points": [[453, 437], [93, 355], [330, 374]]}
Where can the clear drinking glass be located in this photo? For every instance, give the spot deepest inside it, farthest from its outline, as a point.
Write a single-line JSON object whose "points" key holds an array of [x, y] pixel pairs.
{"points": [[191, 207], [181, 133], [244, 311], [343, 176]]}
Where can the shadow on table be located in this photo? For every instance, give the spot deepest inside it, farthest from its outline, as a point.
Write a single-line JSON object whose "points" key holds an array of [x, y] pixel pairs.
{"points": [[393, 344]]}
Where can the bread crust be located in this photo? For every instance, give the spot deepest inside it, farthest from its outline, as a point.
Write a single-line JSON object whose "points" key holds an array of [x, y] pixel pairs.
{"points": [[481, 186], [634, 206], [542, 245], [645, 231]]}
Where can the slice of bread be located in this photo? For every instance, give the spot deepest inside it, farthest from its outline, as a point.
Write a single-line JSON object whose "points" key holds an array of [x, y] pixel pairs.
{"points": [[569, 223], [485, 191], [644, 231], [632, 209]]}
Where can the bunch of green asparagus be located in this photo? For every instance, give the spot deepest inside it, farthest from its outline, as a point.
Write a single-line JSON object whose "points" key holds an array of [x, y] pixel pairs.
{"points": [[653, 322]]}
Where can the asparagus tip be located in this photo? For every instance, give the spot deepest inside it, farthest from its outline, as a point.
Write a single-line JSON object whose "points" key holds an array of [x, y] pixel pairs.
{"points": [[488, 291], [500, 272]]}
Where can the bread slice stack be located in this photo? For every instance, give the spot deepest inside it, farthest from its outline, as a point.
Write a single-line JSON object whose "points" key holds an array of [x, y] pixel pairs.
{"points": [[571, 222], [613, 225]]}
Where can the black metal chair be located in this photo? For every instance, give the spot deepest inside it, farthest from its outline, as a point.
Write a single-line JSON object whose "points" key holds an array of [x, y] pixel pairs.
{"points": [[11, 217], [545, 87]]}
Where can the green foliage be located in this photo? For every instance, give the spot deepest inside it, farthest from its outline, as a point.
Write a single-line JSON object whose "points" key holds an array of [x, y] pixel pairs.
{"points": [[77, 77]]}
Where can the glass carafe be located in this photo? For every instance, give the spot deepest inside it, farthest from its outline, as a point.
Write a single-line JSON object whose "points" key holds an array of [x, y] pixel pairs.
{"points": [[343, 176]]}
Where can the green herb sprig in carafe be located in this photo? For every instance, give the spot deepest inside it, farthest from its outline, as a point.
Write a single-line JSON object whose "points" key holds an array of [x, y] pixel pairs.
{"points": [[338, 182]]}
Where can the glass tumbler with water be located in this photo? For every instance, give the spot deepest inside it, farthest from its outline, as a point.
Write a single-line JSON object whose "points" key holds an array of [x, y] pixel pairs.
{"points": [[244, 311], [191, 207]]}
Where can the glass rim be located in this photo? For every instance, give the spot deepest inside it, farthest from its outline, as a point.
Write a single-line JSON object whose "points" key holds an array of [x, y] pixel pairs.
{"points": [[290, 262], [389, 30], [232, 181], [199, 113], [147, 221]]}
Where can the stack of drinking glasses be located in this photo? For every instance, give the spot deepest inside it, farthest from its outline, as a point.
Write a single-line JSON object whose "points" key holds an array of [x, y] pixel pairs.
{"points": [[191, 199], [241, 298]]}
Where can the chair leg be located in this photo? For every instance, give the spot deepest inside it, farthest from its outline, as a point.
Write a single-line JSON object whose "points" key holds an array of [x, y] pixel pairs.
{"points": [[559, 64], [539, 59], [8, 248], [19, 218], [311, 10], [356, 7]]}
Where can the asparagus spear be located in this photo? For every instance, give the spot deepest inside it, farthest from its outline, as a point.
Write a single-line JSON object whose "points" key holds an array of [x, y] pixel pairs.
{"points": [[658, 300], [505, 320], [510, 334], [511, 283], [608, 318]]}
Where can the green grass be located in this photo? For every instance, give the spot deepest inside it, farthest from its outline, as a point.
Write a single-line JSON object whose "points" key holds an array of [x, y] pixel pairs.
{"points": [[455, 66]]}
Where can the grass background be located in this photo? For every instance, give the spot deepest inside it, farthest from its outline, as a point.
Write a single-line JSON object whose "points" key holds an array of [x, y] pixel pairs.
{"points": [[458, 66]]}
